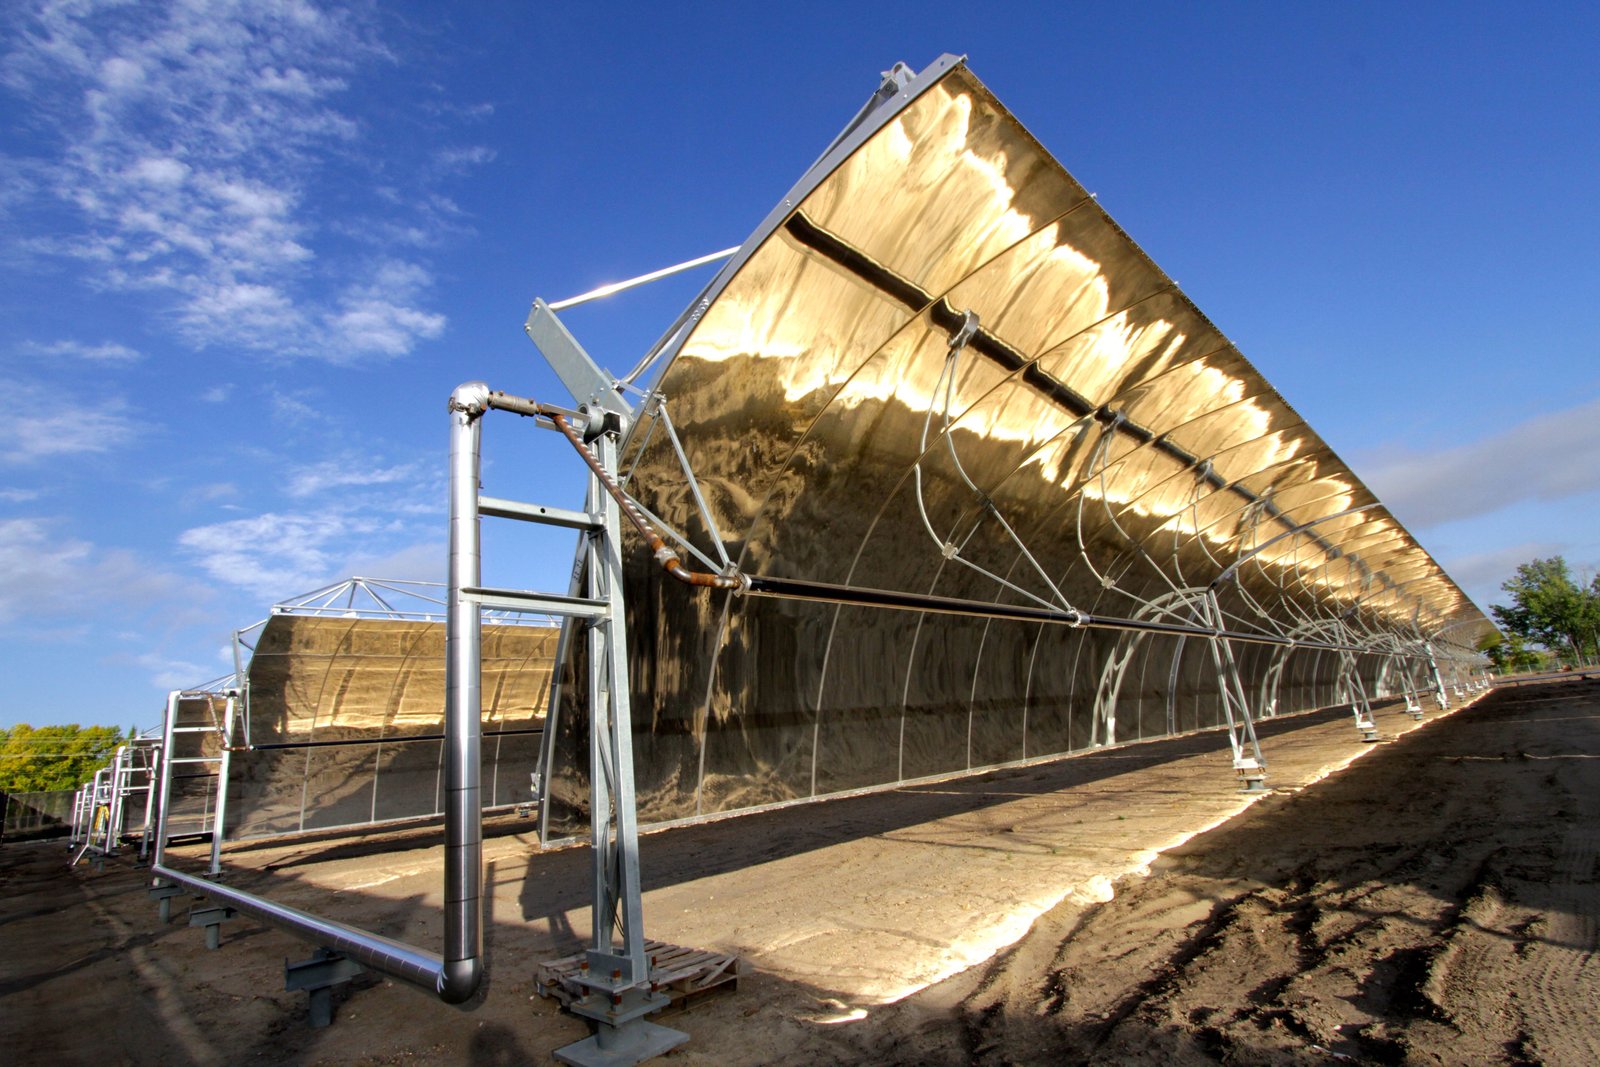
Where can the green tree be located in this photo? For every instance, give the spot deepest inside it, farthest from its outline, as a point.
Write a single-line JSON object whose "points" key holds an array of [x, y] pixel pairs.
{"points": [[53, 757], [1549, 608], [1511, 654]]}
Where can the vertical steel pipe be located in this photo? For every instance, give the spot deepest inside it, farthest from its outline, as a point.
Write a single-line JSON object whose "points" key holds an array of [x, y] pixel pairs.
{"points": [[463, 865], [163, 792]]}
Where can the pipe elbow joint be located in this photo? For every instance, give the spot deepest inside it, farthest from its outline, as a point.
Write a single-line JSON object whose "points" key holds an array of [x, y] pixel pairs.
{"points": [[471, 398], [459, 979]]}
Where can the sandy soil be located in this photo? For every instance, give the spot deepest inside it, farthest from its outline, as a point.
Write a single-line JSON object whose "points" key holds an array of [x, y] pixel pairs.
{"points": [[1431, 899]]}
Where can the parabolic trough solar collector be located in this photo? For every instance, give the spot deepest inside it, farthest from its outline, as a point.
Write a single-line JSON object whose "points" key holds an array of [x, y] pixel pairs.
{"points": [[940, 368]]}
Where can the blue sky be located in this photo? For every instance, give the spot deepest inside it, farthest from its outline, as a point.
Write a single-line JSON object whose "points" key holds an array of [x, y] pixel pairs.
{"points": [[247, 250]]}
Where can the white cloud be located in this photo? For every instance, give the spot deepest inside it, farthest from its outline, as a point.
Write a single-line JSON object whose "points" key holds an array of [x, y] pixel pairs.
{"points": [[345, 473], [46, 575], [195, 139], [282, 555], [213, 493], [108, 352], [424, 562], [1549, 457], [273, 555], [43, 423], [459, 158], [162, 171], [168, 673], [18, 496], [217, 394], [295, 409], [376, 316], [247, 309]]}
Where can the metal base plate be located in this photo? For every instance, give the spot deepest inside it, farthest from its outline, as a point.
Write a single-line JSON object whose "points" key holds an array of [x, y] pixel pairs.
{"points": [[624, 1046]]}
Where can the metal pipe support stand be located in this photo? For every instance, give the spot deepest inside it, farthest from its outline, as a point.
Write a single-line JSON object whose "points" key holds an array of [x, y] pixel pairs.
{"points": [[622, 1036], [1252, 775], [1369, 730], [318, 976], [164, 894], [212, 919]]}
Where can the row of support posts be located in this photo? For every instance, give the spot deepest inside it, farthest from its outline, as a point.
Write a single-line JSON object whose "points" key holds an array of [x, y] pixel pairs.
{"points": [[100, 807], [1200, 607]]}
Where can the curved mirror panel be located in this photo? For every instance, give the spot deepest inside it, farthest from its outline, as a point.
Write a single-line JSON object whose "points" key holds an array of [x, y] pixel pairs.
{"points": [[946, 371]]}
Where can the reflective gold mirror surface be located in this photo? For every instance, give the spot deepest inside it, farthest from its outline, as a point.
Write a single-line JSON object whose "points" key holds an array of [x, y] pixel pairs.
{"points": [[360, 702], [1096, 443]]}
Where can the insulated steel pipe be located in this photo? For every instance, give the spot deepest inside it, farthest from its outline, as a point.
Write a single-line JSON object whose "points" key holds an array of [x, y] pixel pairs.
{"points": [[394, 958], [463, 818], [455, 976]]}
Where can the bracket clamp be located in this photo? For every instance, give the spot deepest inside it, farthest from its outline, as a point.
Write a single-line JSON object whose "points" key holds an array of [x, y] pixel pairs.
{"points": [[212, 919], [317, 976]]}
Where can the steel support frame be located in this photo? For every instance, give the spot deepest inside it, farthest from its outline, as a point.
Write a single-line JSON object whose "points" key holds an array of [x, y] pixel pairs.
{"points": [[1409, 689], [1353, 690], [1438, 679], [1201, 607], [136, 758], [616, 967], [455, 975], [161, 788], [98, 801]]}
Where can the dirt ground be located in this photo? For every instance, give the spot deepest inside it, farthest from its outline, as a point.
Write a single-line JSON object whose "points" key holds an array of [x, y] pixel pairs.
{"points": [[1429, 899]]}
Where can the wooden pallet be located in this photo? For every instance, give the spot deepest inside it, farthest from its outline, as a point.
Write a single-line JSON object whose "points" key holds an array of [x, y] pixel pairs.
{"points": [[683, 974]]}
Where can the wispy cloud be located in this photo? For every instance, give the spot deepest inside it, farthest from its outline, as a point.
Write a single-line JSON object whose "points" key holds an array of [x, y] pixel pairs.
{"points": [[354, 509], [345, 473], [166, 672], [297, 408], [1550, 457], [190, 142], [1480, 574], [46, 575], [425, 561], [42, 424], [278, 555], [211, 493], [462, 158], [106, 352], [378, 317], [271, 555]]}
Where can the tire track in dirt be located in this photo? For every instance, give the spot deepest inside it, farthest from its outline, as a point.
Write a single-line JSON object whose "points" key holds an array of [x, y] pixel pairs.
{"points": [[1434, 904]]}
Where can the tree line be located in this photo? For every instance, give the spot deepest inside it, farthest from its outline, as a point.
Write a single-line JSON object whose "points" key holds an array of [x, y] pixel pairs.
{"points": [[1553, 619], [38, 759]]}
